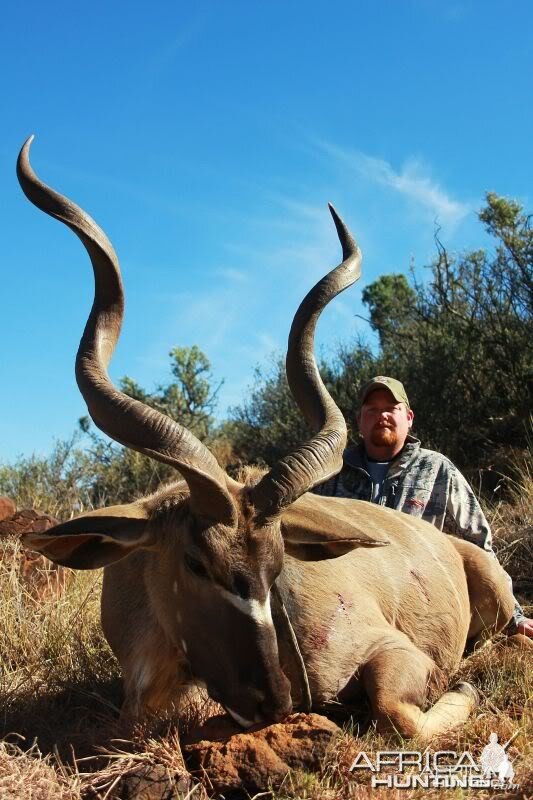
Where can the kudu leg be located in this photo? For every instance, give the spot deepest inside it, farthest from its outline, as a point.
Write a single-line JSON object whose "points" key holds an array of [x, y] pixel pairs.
{"points": [[398, 682], [152, 667], [489, 591]]}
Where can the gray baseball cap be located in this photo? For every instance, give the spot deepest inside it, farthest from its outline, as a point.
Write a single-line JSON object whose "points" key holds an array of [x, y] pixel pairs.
{"points": [[383, 382]]}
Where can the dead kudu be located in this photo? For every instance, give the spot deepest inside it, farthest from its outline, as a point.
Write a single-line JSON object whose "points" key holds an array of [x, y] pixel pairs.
{"points": [[195, 574]]}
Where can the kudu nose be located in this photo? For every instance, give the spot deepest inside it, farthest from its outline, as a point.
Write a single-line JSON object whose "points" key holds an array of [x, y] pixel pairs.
{"points": [[277, 703], [274, 712]]}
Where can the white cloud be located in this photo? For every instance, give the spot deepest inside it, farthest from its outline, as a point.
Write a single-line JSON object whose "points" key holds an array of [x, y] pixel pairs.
{"points": [[413, 181], [232, 275]]}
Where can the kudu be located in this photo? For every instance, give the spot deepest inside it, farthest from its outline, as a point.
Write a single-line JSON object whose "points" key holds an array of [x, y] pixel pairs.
{"points": [[378, 600]]}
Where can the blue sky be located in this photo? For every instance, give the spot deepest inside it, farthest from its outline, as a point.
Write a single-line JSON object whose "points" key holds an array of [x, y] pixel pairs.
{"points": [[206, 139]]}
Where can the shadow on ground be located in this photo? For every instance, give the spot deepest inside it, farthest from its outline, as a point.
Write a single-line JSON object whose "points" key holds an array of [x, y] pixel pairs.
{"points": [[75, 719]]}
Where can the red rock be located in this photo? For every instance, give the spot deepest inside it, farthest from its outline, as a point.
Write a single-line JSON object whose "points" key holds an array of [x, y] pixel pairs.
{"points": [[40, 577], [7, 508], [256, 760], [26, 521]]}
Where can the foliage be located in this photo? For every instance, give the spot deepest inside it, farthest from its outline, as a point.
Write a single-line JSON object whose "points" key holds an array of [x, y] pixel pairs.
{"points": [[189, 398], [269, 424], [74, 478], [60, 484], [119, 474], [390, 301], [460, 342]]}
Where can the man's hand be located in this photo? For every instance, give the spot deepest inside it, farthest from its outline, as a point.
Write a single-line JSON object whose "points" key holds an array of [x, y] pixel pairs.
{"points": [[525, 626]]}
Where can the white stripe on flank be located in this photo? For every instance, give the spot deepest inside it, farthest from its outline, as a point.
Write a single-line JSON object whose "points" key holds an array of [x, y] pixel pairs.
{"points": [[259, 612]]}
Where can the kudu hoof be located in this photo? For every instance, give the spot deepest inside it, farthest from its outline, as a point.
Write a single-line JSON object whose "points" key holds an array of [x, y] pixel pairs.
{"points": [[469, 690]]}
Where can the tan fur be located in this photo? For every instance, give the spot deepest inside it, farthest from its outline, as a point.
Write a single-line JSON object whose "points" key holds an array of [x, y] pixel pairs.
{"points": [[396, 617], [489, 609]]}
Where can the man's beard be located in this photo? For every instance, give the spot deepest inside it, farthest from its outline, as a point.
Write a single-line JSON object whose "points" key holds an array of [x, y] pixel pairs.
{"points": [[384, 437]]}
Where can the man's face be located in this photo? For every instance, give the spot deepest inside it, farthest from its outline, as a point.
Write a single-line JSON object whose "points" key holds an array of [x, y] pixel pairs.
{"points": [[384, 424]]}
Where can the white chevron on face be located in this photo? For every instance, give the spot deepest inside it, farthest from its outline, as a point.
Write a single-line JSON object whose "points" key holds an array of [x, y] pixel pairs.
{"points": [[260, 612]]}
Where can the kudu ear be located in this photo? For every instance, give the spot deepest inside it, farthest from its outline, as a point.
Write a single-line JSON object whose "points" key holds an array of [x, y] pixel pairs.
{"points": [[95, 539], [315, 528]]}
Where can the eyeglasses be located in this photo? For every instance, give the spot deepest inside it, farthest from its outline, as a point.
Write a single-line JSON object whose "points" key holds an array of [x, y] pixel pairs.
{"points": [[376, 411]]}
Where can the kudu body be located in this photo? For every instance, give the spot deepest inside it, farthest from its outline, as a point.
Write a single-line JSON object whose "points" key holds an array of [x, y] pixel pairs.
{"points": [[378, 600]]}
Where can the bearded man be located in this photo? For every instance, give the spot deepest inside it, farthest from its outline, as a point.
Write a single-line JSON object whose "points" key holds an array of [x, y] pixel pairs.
{"points": [[389, 467]]}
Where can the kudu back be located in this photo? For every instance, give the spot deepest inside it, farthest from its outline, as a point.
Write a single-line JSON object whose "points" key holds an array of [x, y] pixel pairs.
{"points": [[378, 600]]}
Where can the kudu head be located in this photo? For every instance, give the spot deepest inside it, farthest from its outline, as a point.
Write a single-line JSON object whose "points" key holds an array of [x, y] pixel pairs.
{"points": [[211, 546]]}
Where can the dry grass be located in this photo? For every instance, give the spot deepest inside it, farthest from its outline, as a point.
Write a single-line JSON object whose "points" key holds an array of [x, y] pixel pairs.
{"points": [[512, 525], [27, 775], [57, 674], [60, 693], [504, 677]]}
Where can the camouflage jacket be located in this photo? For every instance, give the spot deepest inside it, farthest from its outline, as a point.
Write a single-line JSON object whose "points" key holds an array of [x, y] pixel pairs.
{"points": [[419, 482]]}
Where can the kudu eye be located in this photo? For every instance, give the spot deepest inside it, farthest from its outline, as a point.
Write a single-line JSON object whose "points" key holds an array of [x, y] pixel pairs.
{"points": [[195, 566]]}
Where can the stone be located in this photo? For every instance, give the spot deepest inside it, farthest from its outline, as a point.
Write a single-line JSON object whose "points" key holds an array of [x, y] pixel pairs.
{"points": [[7, 508], [40, 577], [156, 782], [256, 760], [26, 521]]}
